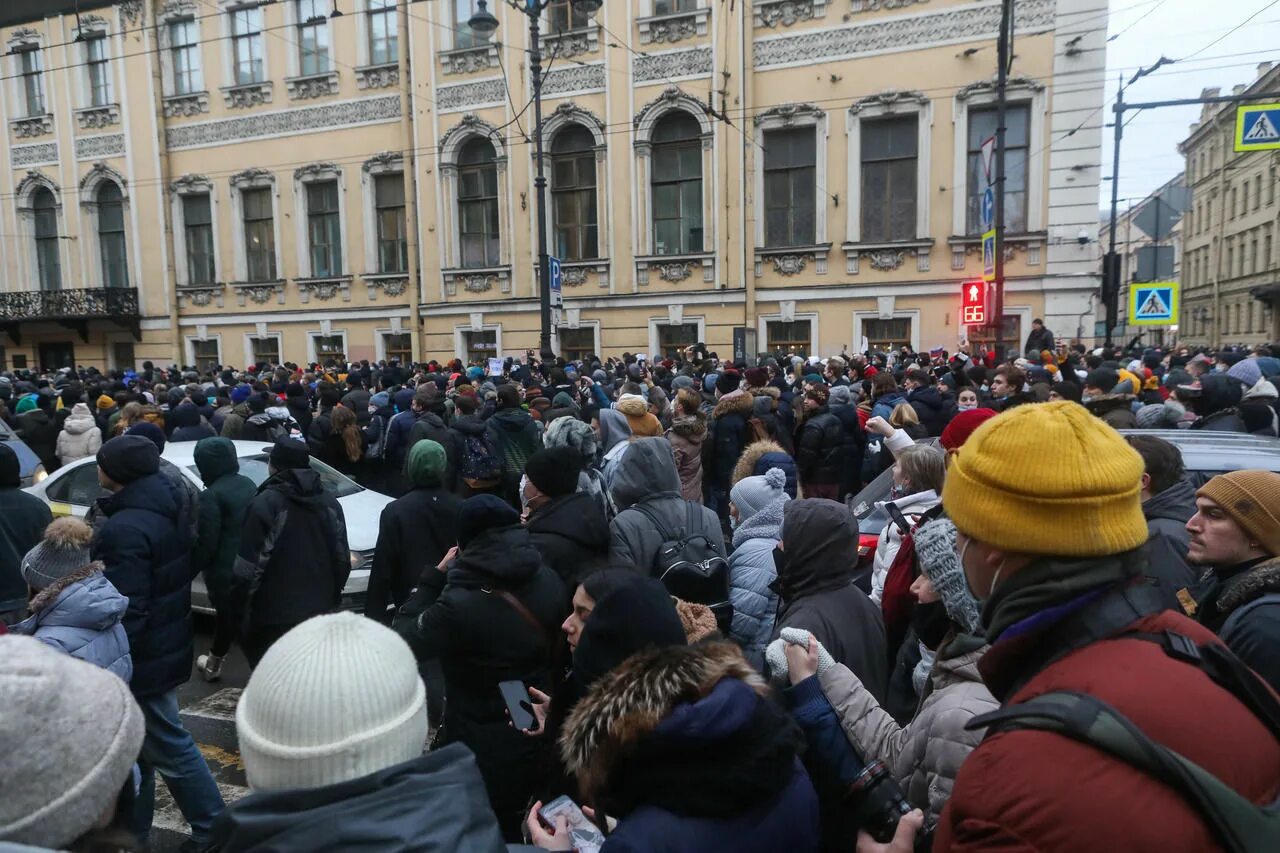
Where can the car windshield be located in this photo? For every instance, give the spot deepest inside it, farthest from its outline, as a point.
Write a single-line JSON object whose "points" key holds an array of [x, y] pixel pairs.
{"points": [[871, 519], [335, 483]]}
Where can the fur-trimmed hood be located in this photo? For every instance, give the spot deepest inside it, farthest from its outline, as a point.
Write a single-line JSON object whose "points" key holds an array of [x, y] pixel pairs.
{"points": [[692, 427], [734, 403], [1254, 583], [766, 391], [633, 406], [750, 456], [50, 593], [607, 727]]}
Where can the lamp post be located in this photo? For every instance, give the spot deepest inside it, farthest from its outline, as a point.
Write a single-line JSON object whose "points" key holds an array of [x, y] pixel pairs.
{"points": [[485, 23]]}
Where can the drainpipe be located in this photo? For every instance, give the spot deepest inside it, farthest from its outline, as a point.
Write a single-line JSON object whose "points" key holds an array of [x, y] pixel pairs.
{"points": [[166, 209], [410, 180]]}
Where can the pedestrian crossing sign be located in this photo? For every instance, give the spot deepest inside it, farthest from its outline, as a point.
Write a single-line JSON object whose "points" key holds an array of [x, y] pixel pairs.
{"points": [[1258, 127], [1154, 304]]}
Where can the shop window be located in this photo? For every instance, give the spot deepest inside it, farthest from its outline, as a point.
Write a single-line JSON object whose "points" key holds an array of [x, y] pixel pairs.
{"points": [[331, 349], [577, 344], [398, 345], [206, 355], [481, 346], [789, 337], [265, 350], [884, 335], [673, 339]]}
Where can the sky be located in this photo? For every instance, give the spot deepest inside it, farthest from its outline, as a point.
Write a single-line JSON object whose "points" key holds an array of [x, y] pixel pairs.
{"points": [[1143, 31]]}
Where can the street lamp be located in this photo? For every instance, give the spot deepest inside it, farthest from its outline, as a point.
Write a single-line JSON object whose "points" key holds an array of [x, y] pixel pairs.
{"points": [[485, 23]]}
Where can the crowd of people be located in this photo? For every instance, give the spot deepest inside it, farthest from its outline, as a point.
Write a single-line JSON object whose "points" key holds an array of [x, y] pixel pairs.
{"points": [[665, 556]]}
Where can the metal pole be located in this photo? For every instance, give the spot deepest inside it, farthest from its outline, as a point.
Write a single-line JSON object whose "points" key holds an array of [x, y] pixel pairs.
{"points": [[1002, 104], [540, 191], [1111, 264]]}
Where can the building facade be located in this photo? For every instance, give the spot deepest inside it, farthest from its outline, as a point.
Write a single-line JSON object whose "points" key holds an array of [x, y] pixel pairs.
{"points": [[222, 181], [1230, 259]]}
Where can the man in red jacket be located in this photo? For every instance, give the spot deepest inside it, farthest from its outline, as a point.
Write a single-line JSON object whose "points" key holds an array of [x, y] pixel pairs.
{"points": [[1058, 559]]}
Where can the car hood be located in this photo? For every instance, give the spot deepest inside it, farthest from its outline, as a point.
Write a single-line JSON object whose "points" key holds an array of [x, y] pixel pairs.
{"points": [[363, 511]]}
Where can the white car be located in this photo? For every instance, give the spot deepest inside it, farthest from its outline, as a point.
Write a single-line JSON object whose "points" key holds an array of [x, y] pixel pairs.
{"points": [[73, 488]]}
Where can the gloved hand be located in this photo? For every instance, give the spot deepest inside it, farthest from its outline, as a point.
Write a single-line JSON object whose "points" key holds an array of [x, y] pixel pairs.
{"points": [[776, 658]]}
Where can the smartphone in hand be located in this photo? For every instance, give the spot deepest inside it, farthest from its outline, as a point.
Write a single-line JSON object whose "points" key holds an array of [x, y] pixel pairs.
{"points": [[585, 836], [519, 705]]}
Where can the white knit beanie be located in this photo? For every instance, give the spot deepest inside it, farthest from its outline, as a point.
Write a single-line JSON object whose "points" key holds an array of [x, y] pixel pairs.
{"points": [[69, 734], [336, 698]]}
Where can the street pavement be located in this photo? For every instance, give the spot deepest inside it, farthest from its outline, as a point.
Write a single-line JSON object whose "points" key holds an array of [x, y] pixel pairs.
{"points": [[209, 713]]}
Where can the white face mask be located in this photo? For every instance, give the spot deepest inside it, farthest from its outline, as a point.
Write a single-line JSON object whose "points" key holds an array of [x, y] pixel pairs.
{"points": [[994, 579], [965, 407]]}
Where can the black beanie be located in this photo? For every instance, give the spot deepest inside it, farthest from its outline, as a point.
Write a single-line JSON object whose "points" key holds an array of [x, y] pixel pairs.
{"points": [[639, 614], [289, 453], [127, 458], [728, 382], [554, 471], [1103, 378], [10, 468], [481, 513], [258, 403]]}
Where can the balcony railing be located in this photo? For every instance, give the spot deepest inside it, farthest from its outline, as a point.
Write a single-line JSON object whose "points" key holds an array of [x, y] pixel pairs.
{"points": [[72, 308]]}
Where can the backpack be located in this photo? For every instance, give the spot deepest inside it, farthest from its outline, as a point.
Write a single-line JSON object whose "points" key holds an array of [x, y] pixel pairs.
{"points": [[691, 568], [1240, 825], [480, 463], [896, 600]]}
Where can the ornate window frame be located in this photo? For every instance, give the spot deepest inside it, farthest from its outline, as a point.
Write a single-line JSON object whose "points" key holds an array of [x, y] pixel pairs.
{"points": [[566, 114], [33, 180], [93, 27], [463, 60], [982, 94], [675, 317], [886, 309], [476, 324], [174, 104], [787, 260], [309, 284], [672, 99], [386, 163], [569, 43], [888, 256], [369, 76], [669, 29], [299, 87], [202, 335], [771, 13], [260, 332], [193, 185], [251, 179], [474, 280], [787, 313], [20, 41], [242, 95], [572, 319], [90, 183]]}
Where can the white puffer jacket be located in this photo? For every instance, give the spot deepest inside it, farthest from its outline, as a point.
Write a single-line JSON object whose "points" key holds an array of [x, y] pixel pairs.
{"points": [[925, 755], [912, 507], [80, 436]]}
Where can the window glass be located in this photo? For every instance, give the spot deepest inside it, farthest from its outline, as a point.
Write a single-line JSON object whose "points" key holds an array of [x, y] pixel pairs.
{"points": [[313, 37], [95, 50], [383, 42], [676, 185], [673, 339], [185, 55], [790, 189], [576, 344], [393, 248], [111, 243], [982, 125], [889, 174], [789, 337], [78, 487], [481, 345], [48, 252], [463, 35], [32, 81], [563, 16], [197, 222], [246, 45], [573, 194], [324, 230], [478, 204], [259, 234]]}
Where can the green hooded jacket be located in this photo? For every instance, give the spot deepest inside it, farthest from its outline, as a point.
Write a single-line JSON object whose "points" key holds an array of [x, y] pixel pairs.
{"points": [[223, 503]]}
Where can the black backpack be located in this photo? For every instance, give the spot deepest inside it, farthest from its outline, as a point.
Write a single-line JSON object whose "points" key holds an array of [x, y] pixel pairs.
{"points": [[1240, 825], [691, 568]]}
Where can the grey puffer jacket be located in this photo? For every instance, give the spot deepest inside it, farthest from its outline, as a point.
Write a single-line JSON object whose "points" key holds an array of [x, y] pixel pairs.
{"points": [[751, 571], [645, 484], [925, 755], [79, 615]]}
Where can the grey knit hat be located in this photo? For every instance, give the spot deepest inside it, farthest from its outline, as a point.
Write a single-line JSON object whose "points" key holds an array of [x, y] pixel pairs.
{"points": [[935, 543], [63, 550], [1164, 415], [80, 732], [571, 432], [753, 494]]}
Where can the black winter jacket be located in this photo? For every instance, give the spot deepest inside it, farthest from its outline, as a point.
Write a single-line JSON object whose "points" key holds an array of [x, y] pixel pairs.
{"points": [[572, 535], [481, 640], [222, 508], [820, 448], [414, 534], [431, 426], [1253, 634], [728, 434], [294, 560], [1167, 515], [855, 448], [40, 434], [300, 411], [933, 409], [23, 518], [145, 545], [816, 591]]}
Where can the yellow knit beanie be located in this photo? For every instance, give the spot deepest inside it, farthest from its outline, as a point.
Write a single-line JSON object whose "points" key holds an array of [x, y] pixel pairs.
{"points": [[1252, 499], [1048, 479]]}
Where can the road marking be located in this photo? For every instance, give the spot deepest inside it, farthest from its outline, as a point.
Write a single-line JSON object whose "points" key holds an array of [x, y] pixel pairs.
{"points": [[217, 706]]}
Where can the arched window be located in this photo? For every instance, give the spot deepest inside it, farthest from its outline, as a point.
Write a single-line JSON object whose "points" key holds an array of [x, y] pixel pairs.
{"points": [[677, 185], [478, 204], [44, 210], [573, 194], [115, 269]]}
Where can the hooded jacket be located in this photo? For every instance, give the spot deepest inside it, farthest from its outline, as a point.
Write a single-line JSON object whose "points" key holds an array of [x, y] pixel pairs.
{"points": [[751, 576], [414, 533], [686, 435], [1037, 790], [925, 755], [816, 591], [1167, 515], [759, 457], [23, 518], [432, 804], [728, 434], [144, 542], [233, 423], [1114, 409], [293, 560], [187, 424], [80, 436], [646, 476], [883, 406], [684, 746], [572, 535], [481, 639], [221, 511], [1242, 605], [79, 614], [821, 445], [934, 410]]}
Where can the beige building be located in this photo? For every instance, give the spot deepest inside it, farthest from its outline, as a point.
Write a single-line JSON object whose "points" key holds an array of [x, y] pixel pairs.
{"points": [[221, 181], [1230, 259]]}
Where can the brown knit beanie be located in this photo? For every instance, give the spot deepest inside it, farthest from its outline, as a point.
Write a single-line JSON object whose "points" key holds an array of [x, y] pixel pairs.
{"points": [[1252, 499]]}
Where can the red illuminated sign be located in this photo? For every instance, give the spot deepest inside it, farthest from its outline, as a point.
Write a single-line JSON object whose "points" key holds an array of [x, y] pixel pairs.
{"points": [[973, 303]]}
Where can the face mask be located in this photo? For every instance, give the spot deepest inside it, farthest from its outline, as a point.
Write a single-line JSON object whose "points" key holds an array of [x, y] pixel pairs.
{"points": [[931, 623], [1086, 398], [733, 523], [524, 482], [965, 407]]}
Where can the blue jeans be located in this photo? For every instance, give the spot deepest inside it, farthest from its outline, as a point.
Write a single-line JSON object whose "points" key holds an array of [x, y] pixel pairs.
{"points": [[169, 749]]}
